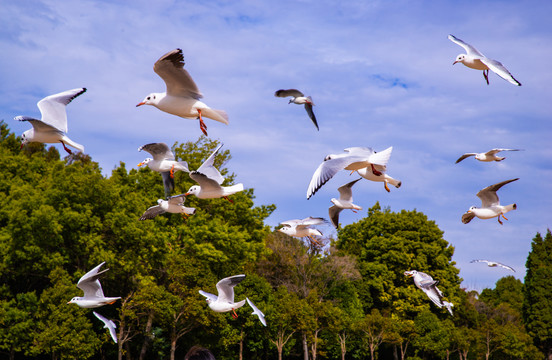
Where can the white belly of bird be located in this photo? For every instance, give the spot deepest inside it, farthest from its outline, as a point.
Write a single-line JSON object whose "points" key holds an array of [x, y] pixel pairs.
{"points": [[48, 137], [181, 106], [488, 213], [474, 64], [345, 204]]}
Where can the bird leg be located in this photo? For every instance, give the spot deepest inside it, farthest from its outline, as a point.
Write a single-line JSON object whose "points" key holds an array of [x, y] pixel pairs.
{"points": [[504, 217], [486, 75], [386, 187], [353, 210], [314, 241], [65, 147], [226, 197], [234, 315], [202, 125], [172, 172], [374, 171], [500, 222], [185, 216]]}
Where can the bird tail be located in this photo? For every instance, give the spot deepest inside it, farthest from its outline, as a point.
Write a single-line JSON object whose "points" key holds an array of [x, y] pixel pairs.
{"points": [[510, 207], [382, 157], [218, 115], [449, 306], [234, 188], [77, 146], [500, 158], [239, 304], [396, 183]]}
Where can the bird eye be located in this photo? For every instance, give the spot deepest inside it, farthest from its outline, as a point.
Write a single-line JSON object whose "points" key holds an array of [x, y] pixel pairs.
{"points": [[148, 98]]}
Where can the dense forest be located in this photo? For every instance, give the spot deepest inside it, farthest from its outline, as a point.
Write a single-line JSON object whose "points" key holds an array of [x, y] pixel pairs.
{"points": [[60, 217]]}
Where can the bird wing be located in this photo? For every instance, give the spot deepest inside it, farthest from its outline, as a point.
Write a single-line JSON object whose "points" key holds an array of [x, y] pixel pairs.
{"points": [[159, 151], [225, 287], [505, 266], [313, 221], [289, 92], [500, 70], [327, 169], [434, 295], [204, 182], [308, 107], [52, 108], [334, 215], [168, 182], [38, 125], [381, 157], [291, 223], [208, 169], [346, 191], [108, 324], [466, 155], [496, 151], [152, 212], [170, 67], [256, 311], [177, 199], [209, 296], [470, 50], [467, 217], [90, 284], [488, 195], [479, 260]]}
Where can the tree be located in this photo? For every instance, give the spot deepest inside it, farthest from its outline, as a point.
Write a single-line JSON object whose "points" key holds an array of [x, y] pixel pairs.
{"points": [[537, 308], [376, 329]]}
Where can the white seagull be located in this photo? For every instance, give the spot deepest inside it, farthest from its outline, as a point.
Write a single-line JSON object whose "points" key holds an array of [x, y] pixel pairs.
{"points": [[256, 311], [108, 324], [490, 205], [486, 156], [210, 180], [494, 264], [354, 158], [429, 286], [174, 205], [224, 302], [163, 162], [345, 201], [369, 174], [476, 60], [299, 98], [52, 128], [302, 228], [182, 95], [93, 293]]}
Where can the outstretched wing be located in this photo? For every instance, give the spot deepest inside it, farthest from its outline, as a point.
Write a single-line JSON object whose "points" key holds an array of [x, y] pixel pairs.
{"points": [[159, 151], [500, 70], [209, 296], [308, 107], [467, 217], [288, 92], [152, 212], [466, 155], [470, 50], [346, 191], [90, 284], [488, 195], [225, 287], [256, 311], [53, 110], [208, 169], [170, 67]]}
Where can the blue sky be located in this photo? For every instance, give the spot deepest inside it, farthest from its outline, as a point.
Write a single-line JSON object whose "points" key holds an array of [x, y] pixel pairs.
{"points": [[380, 74]]}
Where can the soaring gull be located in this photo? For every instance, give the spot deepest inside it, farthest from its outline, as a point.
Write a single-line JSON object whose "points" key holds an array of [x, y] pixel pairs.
{"points": [[93, 293], [429, 286], [174, 204], [486, 156], [108, 324], [182, 95], [302, 228], [224, 302], [299, 98], [476, 60], [345, 201], [494, 264], [52, 128], [490, 205], [256, 311], [163, 162]]}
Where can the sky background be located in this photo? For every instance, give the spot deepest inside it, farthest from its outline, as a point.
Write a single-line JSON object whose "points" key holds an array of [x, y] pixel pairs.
{"points": [[380, 74]]}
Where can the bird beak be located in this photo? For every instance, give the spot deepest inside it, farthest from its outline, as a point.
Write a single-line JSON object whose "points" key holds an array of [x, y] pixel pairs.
{"points": [[140, 104], [140, 164], [469, 211], [187, 194], [452, 64], [68, 302]]}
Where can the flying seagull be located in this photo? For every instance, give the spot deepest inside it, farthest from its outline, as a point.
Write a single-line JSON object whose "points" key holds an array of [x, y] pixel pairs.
{"points": [[174, 204], [302, 228], [486, 156], [108, 324], [182, 95], [369, 174], [256, 311], [163, 162], [429, 286], [354, 158], [299, 98], [210, 180], [93, 293], [494, 264], [476, 60], [224, 302], [52, 128], [490, 205], [345, 201]]}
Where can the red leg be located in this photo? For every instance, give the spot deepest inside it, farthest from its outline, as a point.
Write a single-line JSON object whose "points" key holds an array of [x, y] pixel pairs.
{"points": [[65, 147], [486, 75], [234, 315], [226, 197], [172, 171], [386, 187], [504, 217], [202, 125], [500, 222], [374, 171]]}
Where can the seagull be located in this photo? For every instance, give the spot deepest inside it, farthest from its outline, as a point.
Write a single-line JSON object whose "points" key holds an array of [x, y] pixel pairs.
{"points": [[354, 158], [182, 95], [299, 98], [210, 180], [52, 128], [429, 286], [108, 324], [368, 174], [494, 264], [163, 162], [486, 156], [93, 293], [301, 228], [224, 302], [256, 311], [490, 205], [345, 201], [476, 60], [174, 204]]}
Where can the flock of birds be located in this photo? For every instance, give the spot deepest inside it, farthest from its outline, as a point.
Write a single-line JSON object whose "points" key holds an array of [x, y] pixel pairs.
{"points": [[182, 98]]}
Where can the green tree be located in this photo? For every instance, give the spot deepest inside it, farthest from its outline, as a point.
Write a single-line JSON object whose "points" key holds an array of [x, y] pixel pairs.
{"points": [[537, 308]]}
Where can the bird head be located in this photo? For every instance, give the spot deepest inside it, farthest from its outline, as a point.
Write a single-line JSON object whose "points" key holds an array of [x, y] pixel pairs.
{"points": [[26, 136], [151, 99], [471, 209], [73, 300], [285, 230], [194, 190], [410, 273], [147, 160], [459, 58]]}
